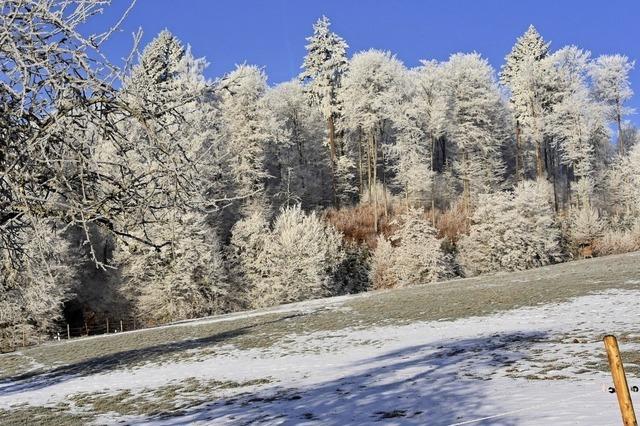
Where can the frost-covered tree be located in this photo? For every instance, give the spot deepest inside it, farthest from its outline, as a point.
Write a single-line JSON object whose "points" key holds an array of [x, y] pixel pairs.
{"points": [[323, 68], [381, 273], [477, 125], [169, 80], [346, 170], [32, 297], [373, 91], [630, 135], [296, 158], [58, 102], [585, 226], [298, 260], [526, 75], [153, 81], [184, 279], [417, 256], [610, 75], [511, 231], [419, 132], [577, 123], [623, 184], [411, 255], [242, 129], [248, 237]]}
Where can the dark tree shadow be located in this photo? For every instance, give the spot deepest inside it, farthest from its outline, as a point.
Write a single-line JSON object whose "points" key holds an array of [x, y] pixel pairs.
{"points": [[39, 380], [422, 384]]}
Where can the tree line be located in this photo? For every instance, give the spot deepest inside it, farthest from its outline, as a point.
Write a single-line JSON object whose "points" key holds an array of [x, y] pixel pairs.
{"points": [[152, 191]]}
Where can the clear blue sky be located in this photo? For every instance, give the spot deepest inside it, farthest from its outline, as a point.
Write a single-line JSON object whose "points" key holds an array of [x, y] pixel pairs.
{"points": [[272, 33]]}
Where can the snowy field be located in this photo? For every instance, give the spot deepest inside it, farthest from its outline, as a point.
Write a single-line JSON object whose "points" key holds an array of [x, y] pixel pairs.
{"points": [[511, 349]]}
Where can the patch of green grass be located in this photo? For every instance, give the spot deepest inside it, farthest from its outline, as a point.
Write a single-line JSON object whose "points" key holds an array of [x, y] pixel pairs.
{"points": [[42, 416], [165, 401]]}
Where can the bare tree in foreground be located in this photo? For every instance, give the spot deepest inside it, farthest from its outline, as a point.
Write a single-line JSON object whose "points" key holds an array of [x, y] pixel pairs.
{"points": [[64, 152]]}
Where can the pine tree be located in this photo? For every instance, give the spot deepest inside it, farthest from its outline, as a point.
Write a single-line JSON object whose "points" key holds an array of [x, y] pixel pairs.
{"points": [[173, 152], [323, 68], [152, 80], [610, 74], [524, 74], [353, 274], [182, 275]]}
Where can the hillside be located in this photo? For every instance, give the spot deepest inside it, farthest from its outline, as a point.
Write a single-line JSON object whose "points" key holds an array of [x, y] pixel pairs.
{"points": [[519, 348]]}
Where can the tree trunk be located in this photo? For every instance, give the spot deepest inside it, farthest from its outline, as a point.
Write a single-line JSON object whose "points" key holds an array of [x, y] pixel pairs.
{"points": [[619, 122], [332, 148], [569, 188], [384, 178], [433, 181], [539, 160], [360, 171], [374, 173], [518, 159], [466, 190], [369, 159], [554, 177]]}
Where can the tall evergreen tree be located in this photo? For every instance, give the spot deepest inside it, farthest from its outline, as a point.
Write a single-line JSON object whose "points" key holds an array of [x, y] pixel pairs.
{"points": [[323, 68], [183, 277], [153, 79], [524, 74]]}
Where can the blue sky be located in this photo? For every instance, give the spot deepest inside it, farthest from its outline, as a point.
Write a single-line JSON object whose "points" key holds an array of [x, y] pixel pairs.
{"points": [[272, 33]]}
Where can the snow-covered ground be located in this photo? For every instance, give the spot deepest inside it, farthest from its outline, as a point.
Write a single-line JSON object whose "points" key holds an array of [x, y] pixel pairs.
{"points": [[528, 366]]}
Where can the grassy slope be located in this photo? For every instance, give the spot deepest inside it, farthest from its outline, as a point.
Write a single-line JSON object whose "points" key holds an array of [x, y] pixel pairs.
{"points": [[446, 300], [260, 329]]}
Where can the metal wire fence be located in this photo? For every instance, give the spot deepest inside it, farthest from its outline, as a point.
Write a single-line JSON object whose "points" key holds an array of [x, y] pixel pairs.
{"points": [[15, 339]]}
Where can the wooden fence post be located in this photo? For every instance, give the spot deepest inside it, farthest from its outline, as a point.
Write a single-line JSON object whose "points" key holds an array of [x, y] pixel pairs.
{"points": [[107, 325], [121, 329], [86, 327], [620, 381], [68, 332]]}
